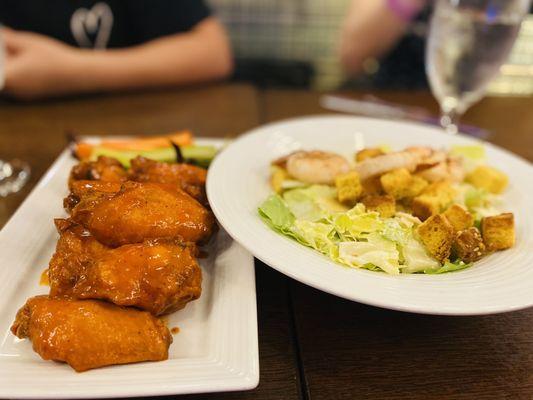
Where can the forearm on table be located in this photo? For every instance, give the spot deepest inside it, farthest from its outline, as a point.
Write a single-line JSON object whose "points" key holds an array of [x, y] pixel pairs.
{"points": [[200, 55]]}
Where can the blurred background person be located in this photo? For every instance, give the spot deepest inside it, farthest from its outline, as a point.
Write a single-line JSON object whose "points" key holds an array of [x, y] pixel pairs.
{"points": [[297, 43], [379, 38], [285, 43], [383, 46], [59, 47], [314, 44]]}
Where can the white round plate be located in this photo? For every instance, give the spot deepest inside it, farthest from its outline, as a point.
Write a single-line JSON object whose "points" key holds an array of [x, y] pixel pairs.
{"points": [[238, 183]]}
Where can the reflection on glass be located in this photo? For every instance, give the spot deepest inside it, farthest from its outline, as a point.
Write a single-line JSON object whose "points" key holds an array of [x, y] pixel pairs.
{"points": [[468, 42], [13, 174]]}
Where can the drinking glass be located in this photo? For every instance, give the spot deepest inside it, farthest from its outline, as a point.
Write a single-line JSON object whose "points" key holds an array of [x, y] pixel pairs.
{"points": [[468, 42], [15, 173]]}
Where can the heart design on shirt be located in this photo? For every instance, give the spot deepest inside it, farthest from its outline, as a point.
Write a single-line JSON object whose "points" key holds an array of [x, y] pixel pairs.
{"points": [[94, 23]]}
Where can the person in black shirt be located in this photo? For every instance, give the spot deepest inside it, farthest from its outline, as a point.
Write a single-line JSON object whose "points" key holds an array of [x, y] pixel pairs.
{"points": [[56, 47]]}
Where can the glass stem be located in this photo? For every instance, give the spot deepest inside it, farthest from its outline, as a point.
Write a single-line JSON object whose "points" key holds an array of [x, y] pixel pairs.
{"points": [[449, 120]]}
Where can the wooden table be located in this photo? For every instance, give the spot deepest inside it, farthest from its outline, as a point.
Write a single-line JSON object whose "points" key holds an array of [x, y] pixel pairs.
{"points": [[312, 345]]}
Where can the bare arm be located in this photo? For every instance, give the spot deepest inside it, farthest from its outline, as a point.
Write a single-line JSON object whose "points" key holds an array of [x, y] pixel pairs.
{"points": [[38, 66], [199, 55], [370, 30]]}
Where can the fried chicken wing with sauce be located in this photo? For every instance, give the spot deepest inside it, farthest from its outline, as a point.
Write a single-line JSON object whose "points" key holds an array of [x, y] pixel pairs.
{"points": [[143, 211], [86, 188], [89, 334], [188, 177], [159, 276], [105, 169], [89, 189]]}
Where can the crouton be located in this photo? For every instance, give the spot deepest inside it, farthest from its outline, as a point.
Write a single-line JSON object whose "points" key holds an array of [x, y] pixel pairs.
{"points": [[416, 187], [468, 245], [349, 187], [384, 205], [488, 178], [371, 152], [459, 217], [424, 206], [396, 182], [372, 185], [400, 184], [435, 198], [437, 235], [277, 176], [443, 190], [498, 231]]}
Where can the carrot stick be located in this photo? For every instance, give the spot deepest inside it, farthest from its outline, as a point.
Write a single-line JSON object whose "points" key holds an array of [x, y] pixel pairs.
{"points": [[181, 138], [83, 151]]}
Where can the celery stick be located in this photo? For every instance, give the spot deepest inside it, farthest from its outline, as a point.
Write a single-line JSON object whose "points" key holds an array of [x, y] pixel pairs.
{"points": [[166, 154], [201, 155]]}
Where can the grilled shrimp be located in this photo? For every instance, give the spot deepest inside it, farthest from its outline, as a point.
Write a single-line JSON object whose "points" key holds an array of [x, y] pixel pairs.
{"points": [[456, 169], [316, 166], [434, 173], [435, 157], [450, 168], [409, 158]]}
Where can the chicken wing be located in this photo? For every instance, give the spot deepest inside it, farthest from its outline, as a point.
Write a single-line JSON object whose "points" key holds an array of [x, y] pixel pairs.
{"points": [[159, 275], [104, 169], [89, 189], [142, 211], [89, 334], [189, 177]]}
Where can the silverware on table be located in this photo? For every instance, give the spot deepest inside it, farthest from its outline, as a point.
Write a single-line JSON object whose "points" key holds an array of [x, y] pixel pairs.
{"points": [[372, 106]]}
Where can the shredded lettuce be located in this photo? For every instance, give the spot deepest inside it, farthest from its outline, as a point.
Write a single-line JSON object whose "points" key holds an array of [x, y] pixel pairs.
{"points": [[356, 223], [416, 258], [473, 152], [313, 203], [413, 255], [472, 156], [394, 230], [371, 267], [275, 212], [318, 235], [353, 237], [377, 251], [385, 148], [302, 205], [292, 184], [478, 201], [475, 197], [407, 220], [448, 267]]}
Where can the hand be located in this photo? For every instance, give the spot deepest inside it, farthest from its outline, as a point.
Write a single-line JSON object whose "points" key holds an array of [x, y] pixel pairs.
{"points": [[38, 66]]}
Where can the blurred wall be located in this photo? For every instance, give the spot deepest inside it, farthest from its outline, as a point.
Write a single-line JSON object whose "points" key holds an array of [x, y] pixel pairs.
{"points": [[289, 30]]}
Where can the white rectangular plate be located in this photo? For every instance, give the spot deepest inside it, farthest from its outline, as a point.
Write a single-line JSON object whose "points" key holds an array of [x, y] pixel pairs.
{"points": [[215, 350]]}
